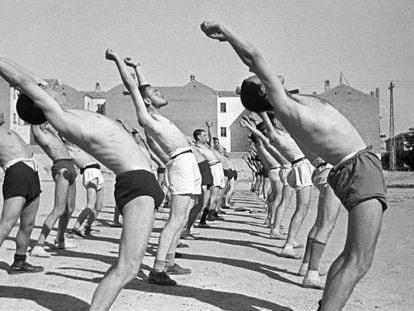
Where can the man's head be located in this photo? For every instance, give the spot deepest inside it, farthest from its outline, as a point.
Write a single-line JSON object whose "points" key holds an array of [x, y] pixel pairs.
{"points": [[200, 136], [28, 112], [216, 143], [152, 96], [253, 95]]}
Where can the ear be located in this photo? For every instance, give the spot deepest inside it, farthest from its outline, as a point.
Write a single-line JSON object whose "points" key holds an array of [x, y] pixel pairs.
{"points": [[147, 101]]}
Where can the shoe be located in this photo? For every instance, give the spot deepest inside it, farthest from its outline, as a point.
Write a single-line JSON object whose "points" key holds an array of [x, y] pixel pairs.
{"points": [[187, 236], [160, 278], [310, 282], [178, 255], [39, 251], [116, 225], [64, 245], [221, 212], [200, 225], [225, 206], [24, 267], [182, 245], [89, 230], [77, 232], [177, 270], [240, 209]]}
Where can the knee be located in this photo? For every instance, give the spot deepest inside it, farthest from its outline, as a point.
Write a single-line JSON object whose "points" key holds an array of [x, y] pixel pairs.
{"points": [[127, 270], [360, 262]]}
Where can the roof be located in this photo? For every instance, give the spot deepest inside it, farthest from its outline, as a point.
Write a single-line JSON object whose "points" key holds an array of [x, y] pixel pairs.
{"points": [[227, 94], [343, 88]]}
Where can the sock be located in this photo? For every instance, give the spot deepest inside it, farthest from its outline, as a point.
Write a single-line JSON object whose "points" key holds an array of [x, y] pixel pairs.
{"points": [[159, 265], [316, 254], [19, 258], [170, 260], [204, 216], [308, 250]]}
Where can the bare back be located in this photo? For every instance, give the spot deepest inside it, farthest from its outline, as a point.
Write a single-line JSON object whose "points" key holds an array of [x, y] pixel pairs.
{"points": [[319, 127], [286, 145], [103, 138], [267, 159], [12, 146]]}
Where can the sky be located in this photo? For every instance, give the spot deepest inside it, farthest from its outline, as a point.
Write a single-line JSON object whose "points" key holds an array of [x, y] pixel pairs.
{"points": [[308, 42]]}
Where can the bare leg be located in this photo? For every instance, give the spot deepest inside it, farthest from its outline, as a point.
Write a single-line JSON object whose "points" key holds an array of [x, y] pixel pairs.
{"points": [[287, 194], [201, 204], [64, 219], [364, 224], [138, 223], [12, 208], [27, 221], [91, 198], [97, 208], [303, 197]]}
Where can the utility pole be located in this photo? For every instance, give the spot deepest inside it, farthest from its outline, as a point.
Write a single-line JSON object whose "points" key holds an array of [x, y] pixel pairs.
{"points": [[392, 134]]}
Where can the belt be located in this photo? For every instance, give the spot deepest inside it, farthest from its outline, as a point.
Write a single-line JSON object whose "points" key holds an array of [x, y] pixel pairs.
{"points": [[322, 164], [213, 163], [186, 151], [94, 165], [298, 160]]}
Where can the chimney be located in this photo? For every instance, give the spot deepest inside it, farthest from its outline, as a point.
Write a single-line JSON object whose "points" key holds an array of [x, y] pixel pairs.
{"points": [[377, 92], [327, 85], [238, 90], [97, 87], [192, 77]]}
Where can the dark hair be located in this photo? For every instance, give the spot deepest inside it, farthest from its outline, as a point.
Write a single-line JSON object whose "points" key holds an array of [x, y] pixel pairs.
{"points": [[143, 89], [261, 127], [28, 112], [196, 133], [253, 98], [252, 138]]}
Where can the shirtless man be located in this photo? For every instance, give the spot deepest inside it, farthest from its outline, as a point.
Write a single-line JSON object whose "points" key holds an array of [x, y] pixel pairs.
{"points": [[137, 192], [216, 168], [356, 177], [300, 173], [21, 190], [64, 174], [183, 173], [93, 181]]}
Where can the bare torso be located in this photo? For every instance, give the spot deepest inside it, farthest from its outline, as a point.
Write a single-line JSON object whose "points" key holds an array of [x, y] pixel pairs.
{"points": [[104, 139], [208, 154], [80, 157], [50, 143], [319, 127], [286, 145], [167, 134], [267, 159], [12, 146]]}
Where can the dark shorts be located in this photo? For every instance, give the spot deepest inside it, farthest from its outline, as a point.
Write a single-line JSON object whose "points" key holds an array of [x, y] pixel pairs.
{"points": [[161, 170], [21, 180], [206, 177], [359, 179], [133, 184], [235, 174], [227, 173], [69, 174]]}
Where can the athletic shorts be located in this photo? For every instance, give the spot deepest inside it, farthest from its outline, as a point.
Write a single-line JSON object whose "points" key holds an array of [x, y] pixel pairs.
{"points": [[359, 179], [227, 173], [283, 174], [20, 180], [70, 172], [183, 172], [300, 175], [206, 177], [133, 184], [235, 174], [161, 170], [218, 175], [91, 172], [320, 175]]}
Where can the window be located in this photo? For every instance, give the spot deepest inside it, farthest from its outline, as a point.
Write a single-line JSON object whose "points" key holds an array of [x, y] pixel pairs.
{"points": [[101, 109], [223, 132], [14, 118], [222, 107]]}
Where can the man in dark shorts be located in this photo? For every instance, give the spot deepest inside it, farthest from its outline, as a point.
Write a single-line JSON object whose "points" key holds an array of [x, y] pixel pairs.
{"points": [[64, 175], [21, 190], [137, 192], [356, 177]]}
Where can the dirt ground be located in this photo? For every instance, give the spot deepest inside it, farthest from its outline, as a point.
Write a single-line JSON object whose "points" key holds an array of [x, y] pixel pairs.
{"points": [[235, 265]]}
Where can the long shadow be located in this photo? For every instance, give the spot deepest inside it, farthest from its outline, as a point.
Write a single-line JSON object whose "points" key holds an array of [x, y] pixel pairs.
{"points": [[43, 298], [223, 300]]}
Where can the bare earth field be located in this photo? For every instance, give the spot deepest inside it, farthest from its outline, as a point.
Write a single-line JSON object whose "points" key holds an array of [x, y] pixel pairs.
{"points": [[235, 265]]}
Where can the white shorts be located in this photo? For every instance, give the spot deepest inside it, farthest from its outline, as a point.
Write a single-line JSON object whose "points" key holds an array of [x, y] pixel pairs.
{"points": [[183, 173], [90, 174], [320, 175], [218, 175], [300, 174]]}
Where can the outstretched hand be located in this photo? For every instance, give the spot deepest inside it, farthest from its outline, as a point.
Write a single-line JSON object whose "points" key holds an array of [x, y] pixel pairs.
{"points": [[209, 123], [213, 30], [243, 123], [128, 61]]}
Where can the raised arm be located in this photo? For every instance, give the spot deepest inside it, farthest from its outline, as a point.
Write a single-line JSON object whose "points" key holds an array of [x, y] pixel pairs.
{"points": [[252, 57], [209, 124], [143, 116], [138, 71], [124, 125]]}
